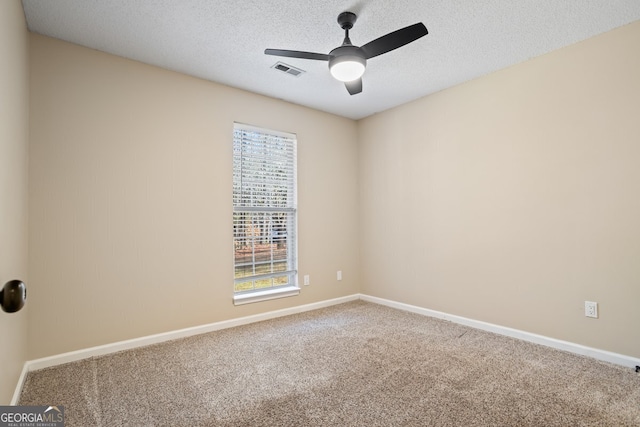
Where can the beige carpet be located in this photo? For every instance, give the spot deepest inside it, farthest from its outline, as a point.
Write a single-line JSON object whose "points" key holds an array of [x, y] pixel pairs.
{"points": [[355, 364]]}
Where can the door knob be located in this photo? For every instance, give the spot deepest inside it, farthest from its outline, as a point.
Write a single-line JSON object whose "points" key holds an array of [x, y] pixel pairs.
{"points": [[13, 295]]}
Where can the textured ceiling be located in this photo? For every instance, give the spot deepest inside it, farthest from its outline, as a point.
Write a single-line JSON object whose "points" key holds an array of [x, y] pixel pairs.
{"points": [[224, 41]]}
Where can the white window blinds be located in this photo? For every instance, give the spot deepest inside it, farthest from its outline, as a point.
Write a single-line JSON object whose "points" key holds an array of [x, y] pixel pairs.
{"points": [[264, 208]]}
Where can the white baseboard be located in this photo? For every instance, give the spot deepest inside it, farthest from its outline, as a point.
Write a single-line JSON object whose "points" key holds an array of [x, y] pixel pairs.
{"points": [[607, 356], [18, 390], [73, 356], [59, 359]]}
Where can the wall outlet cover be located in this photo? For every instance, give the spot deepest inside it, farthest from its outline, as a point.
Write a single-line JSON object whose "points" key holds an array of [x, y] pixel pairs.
{"points": [[591, 309]]}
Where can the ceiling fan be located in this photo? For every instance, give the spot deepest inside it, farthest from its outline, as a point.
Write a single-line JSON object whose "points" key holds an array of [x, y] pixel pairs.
{"points": [[347, 62]]}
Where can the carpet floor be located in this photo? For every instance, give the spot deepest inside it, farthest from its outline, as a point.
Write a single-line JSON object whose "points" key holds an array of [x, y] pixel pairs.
{"points": [[354, 364]]}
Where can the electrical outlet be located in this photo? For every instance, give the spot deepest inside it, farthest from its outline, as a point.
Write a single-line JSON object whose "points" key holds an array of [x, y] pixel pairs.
{"points": [[307, 280], [339, 275], [591, 309]]}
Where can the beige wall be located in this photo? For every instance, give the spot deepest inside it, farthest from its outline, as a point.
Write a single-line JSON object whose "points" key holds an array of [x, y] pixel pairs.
{"points": [[14, 136], [510, 199], [514, 198], [130, 191]]}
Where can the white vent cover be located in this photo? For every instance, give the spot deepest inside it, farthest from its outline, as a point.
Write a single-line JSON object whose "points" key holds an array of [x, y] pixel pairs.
{"points": [[286, 68]]}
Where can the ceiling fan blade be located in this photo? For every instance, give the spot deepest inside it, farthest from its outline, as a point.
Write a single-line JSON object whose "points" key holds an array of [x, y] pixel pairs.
{"points": [[297, 54], [354, 87], [394, 40]]}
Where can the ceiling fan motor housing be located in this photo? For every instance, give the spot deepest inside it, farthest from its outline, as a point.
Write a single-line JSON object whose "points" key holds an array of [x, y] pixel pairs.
{"points": [[347, 63]]}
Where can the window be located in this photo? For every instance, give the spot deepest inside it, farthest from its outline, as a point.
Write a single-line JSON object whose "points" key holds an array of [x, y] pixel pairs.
{"points": [[264, 214]]}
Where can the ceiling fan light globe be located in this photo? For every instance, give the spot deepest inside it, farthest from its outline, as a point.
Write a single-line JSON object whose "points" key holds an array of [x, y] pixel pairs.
{"points": [[347, 68]]}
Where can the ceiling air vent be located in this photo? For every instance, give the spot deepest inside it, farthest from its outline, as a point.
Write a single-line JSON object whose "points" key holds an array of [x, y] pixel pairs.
{"points": [[286, 68]]}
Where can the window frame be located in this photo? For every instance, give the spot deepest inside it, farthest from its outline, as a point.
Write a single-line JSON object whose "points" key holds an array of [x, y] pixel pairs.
{"points": [[271, 292]]}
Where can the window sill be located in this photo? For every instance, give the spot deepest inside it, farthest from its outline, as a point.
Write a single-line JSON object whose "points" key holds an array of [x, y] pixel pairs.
{"points": [[287, 291]]}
